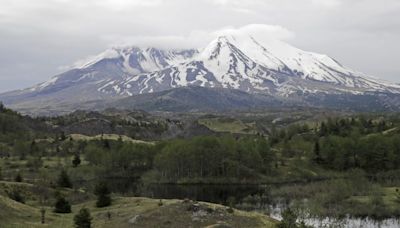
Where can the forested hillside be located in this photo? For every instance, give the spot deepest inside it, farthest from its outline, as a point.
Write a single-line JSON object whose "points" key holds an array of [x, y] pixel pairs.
{"points": [[70, 155]]}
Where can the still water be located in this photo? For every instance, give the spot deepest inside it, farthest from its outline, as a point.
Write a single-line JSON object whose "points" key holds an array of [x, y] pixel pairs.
{"points": [[225, 194]]}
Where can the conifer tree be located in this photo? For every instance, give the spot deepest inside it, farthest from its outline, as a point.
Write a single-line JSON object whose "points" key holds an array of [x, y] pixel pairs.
{"points": [[103, 195], [83, 219], [289, 218], [76, 161], [317, 153], [62, 205], [18, 178], [64, 180]]}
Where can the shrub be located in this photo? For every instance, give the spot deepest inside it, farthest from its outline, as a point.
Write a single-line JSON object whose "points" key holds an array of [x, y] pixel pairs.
{"points": [[64, 180], [76, 161], [289, 219], [103, 195], [62, 205], [83, 219], [16, 195], [18, 178]]}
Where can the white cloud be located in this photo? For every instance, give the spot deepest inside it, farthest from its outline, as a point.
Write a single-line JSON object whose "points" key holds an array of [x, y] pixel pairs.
{"points": [[327, 3], [200, 38], [259, 31], [44, 34], [220, 2], [237, 2], [192, 40], [120, 5]]}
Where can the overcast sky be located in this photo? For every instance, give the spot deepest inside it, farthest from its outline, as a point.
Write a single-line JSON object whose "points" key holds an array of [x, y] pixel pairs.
{"points": [[40, 38]]}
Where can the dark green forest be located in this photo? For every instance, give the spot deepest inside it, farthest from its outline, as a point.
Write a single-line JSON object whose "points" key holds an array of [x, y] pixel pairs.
{"points": [[317, 154], [370, 143]]}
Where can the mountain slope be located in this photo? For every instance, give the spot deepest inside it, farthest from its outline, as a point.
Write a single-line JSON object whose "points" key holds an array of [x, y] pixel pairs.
{"points": [[273, 67], [86, 82], [204, 99], [267, 67], [194, 98]]}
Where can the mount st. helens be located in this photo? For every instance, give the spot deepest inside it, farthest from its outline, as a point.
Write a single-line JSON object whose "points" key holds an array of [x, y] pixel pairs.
{"points": [[267, 67]]}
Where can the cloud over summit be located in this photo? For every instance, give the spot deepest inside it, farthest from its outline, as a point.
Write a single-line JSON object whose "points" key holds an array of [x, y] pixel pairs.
{"points": [[200, 38], [37, 37]]}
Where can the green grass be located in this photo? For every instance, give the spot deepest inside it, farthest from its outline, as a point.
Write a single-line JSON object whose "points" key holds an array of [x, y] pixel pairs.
{"points": [[15, 215], [107, 136], [389, 197], [228, 125]]}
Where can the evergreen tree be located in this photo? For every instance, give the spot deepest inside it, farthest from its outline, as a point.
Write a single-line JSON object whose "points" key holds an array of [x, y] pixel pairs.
{"points": [[323, 129], [266, 154], [62, 136], [83, 219], [16, 195], [62, 205], [274, 137], [43, 214], [21, 148], [18, 178], [397, 196], [33, 149], [381, 126], [106, 144], [103, 195], [317, 153], [64, 180], [56, 139], [289, 218], [76, 161], [34, 162]]}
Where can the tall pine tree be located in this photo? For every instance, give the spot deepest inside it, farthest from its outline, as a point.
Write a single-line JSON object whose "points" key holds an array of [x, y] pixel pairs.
{"points": [[83, 219], [103, 195], [64, 180]]}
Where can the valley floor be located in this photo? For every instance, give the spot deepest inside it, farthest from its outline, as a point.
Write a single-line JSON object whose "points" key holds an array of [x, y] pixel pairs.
{"points": [[135, 212]]}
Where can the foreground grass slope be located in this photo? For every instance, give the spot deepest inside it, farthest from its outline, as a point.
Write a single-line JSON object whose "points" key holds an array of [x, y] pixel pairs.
{"points": [[134, 212]]}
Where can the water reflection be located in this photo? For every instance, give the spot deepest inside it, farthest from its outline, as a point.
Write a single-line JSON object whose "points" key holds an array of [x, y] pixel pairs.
{"points": [[255, 197]]}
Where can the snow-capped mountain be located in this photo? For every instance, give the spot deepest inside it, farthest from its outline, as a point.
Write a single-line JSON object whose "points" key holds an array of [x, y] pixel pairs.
{"points": [[269, 67], [118, 64], [273, 67]]}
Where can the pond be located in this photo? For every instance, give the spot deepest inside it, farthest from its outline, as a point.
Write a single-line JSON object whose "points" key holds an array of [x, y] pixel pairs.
{"points": [[201, 192], [225, 194]]}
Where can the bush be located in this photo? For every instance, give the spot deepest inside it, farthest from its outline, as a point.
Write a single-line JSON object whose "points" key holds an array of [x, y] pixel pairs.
{"points": [[83, 219], [231, 203], [76, 161], [34, 163], [18, 178], [378, 209], [103, 195], [62, 205], [289, 219], [16, 195], [63, 180]]}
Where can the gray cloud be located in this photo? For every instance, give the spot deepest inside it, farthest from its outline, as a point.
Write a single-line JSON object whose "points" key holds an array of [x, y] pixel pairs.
{"points": [[38, 38]]}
